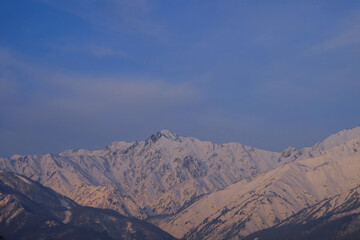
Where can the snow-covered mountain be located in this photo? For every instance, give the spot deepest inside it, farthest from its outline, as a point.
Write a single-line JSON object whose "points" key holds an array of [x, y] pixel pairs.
{"points": [[29, 210], [332, 172], [196, 189], [158, 176]]}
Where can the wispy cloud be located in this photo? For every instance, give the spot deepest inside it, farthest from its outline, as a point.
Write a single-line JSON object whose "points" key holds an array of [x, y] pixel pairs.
{"points": [[96, 50], [348, 37], [88, 92], [115, 15], [87, 95], [47, 104], [345, 34], [10, 59], [102, 51]]}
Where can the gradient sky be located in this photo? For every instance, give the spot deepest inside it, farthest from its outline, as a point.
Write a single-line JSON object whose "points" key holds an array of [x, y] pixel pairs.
{"points": [[85, 73]]}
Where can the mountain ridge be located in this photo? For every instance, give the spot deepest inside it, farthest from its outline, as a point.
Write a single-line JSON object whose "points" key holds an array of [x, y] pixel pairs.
{"points": [[171, 169], [166, 176], [271, 197]]}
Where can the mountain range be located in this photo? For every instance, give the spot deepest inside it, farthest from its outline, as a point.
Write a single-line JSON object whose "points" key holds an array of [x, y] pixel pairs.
{"points": [[195, 189]]}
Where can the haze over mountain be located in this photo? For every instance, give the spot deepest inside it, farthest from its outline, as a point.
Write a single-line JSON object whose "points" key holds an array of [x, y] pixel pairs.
{"points": [[196, 189]]}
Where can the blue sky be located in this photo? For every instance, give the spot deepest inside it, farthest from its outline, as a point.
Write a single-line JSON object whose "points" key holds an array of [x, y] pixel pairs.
{"points": [[82, 74]]}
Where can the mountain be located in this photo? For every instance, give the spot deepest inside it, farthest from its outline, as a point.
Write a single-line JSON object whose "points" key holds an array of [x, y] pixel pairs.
{"points": [[330, 172], [195, 189], [336, 218], [158, 176], [29, 210]]}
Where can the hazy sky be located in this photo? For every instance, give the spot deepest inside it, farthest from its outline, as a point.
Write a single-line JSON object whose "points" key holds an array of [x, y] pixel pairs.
{"points": [[85, 73]]}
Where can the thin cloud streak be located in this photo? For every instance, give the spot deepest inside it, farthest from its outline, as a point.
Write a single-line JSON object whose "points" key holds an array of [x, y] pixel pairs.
{"points": [[344, 35], [95, 50], [102, 51], [115, 15], [106, 90], [102, 95], [349, 37]]}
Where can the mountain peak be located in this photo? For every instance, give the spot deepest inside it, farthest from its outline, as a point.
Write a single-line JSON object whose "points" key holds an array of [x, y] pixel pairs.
{"points": [[338, 138], [164, 134], [167, 133]]}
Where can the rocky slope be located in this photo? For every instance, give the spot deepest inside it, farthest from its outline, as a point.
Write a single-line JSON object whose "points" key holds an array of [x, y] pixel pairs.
{"points": [[330, 171], [29, 210], [158, 176]]}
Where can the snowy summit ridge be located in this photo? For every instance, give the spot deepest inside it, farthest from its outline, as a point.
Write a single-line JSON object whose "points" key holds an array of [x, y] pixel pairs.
{"points": [[167, 134], [146, 178]]}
